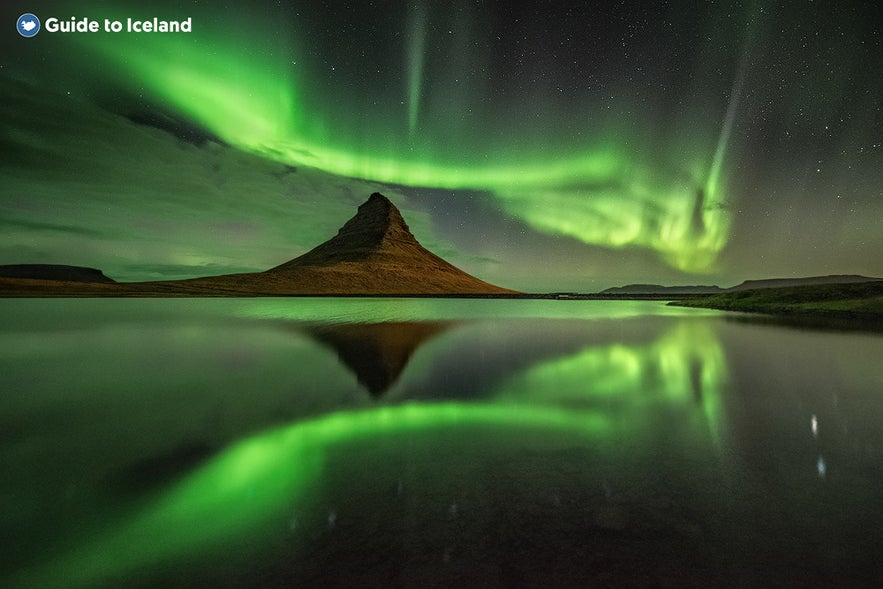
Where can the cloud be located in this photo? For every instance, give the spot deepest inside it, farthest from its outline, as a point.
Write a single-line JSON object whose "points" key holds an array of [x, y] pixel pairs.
{"points": [[149, 271], [90, 187]]}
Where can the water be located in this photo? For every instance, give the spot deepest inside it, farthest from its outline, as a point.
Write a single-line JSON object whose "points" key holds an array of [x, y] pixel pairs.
{"points": [[317, 442]]}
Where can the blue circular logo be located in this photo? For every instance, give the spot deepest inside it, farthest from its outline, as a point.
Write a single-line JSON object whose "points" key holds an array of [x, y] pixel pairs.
{"points": [[28, 25]]}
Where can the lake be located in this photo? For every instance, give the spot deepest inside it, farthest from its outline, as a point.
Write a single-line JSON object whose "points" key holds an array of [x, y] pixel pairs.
{"points": [[434, 442]]}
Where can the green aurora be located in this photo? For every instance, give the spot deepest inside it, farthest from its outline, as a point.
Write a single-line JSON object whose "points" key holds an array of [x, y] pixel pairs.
{"points": [[601, 193]]}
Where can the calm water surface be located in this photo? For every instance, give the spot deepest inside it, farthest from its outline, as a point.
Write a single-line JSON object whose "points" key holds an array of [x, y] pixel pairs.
{"points": [[365, 442]]}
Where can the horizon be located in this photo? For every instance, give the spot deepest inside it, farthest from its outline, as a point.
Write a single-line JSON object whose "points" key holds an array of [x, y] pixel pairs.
{"points": [[372, 197], [540, 149]]}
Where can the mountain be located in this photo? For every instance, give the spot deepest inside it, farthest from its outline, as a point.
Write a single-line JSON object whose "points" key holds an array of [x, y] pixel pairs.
{"points": [[54, 272], [374, 253]]}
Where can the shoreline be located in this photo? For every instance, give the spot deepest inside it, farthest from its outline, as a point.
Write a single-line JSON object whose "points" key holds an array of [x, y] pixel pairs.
{"points": [[135, 290]]}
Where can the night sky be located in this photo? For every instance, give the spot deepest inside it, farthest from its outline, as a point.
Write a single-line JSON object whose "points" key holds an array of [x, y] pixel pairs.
{"points": [[543, 146]]}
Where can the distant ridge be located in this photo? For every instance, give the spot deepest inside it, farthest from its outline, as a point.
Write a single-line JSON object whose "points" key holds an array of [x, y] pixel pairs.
{"points": [[54, 272], [632, 289], [779, 282], [644, 289]]}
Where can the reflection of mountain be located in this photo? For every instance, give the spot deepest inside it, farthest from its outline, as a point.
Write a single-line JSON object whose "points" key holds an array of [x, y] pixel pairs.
{"points": [[377, 353]]}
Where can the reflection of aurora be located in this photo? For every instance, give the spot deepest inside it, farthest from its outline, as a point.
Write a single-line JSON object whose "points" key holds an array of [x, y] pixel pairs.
{"points": [[602, 191], [256, 481], [244, 492], [686, 365]]}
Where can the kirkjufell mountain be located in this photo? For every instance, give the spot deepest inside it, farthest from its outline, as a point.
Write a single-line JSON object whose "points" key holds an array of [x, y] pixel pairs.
{"points": [[374, 253]]}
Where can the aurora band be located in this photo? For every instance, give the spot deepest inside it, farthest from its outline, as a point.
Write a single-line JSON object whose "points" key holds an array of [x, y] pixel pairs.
{"points": [[602, 193]]}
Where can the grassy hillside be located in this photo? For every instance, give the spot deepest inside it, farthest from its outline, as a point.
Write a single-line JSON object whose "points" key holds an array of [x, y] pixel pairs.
{"points": [[863, 299]]}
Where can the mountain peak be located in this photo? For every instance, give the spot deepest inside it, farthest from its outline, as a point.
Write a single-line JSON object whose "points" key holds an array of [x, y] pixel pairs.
{"points": [[377, 197], [380, 218], [377, 226]]}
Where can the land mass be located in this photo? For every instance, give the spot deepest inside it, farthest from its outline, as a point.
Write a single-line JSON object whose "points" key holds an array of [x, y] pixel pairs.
{"points": [[845, 300], [648, 289], [373, 254], [57, 272]]}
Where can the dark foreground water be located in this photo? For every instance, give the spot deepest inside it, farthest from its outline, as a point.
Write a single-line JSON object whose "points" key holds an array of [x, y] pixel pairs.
{"points": [[299, 442]]}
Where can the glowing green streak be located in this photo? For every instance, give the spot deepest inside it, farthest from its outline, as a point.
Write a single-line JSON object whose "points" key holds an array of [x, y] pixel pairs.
{"points": [[227, 104], [711, 185], [244, 489], [602, 195], [645, 212], [254, 107], [414, 57]]}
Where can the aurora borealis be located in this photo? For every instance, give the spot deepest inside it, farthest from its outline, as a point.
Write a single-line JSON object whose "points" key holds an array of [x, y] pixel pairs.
{"points": [[540, 147]]}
